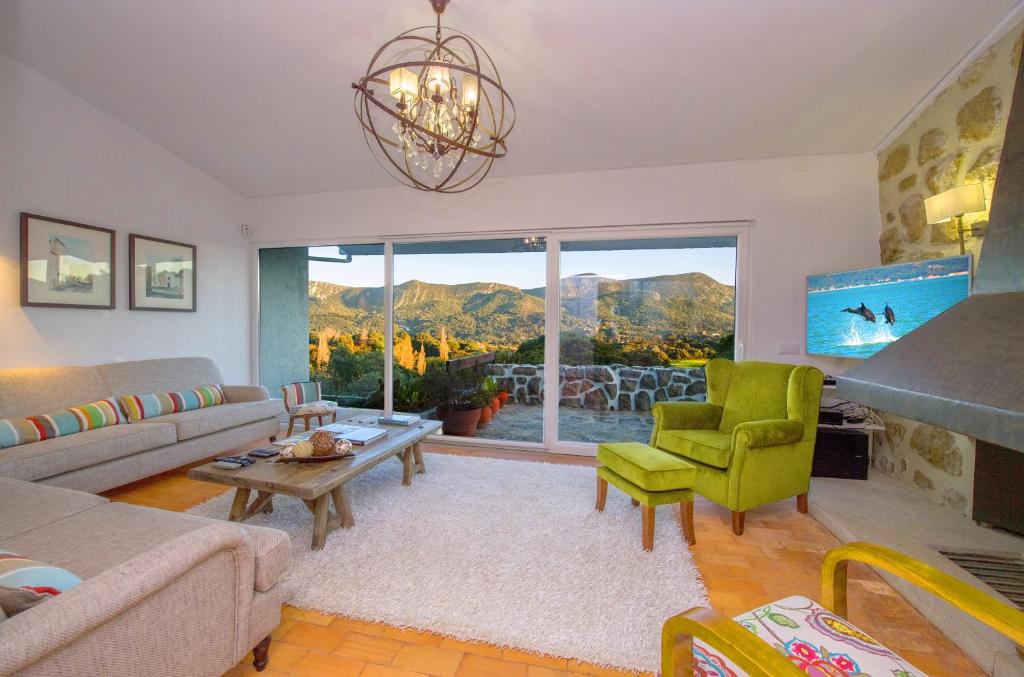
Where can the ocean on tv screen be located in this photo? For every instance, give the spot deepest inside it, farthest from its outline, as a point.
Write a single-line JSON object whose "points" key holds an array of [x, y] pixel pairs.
{"points": [[857, 313]]}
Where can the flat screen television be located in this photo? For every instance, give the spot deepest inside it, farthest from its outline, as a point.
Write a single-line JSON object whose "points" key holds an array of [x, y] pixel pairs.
{"points": [[856, 313]]}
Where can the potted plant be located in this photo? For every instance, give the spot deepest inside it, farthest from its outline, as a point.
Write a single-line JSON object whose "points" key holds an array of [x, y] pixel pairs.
{"points": [[489, 394], [457, 398], [502, 397]]}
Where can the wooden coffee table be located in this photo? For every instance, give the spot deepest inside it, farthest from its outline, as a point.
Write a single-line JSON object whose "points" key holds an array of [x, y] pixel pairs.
{"points": [[318, 484]]}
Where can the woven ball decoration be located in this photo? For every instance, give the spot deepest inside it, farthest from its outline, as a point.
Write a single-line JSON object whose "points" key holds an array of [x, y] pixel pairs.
{"points": [[323, 443], [303, 450]]}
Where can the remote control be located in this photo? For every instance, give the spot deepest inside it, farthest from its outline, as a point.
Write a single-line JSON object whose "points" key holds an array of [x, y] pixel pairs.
{"points": [[226, 465], [264, 453]]}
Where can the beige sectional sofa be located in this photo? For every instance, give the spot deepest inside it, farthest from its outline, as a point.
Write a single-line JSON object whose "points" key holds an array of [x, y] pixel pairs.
{"points": [[97, 460], [162, 593]]}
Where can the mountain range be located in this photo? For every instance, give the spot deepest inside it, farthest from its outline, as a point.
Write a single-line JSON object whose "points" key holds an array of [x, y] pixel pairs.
{"points": [[503, 315]]}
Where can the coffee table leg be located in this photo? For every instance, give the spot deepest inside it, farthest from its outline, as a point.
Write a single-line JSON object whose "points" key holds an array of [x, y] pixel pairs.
{"points": [[407, 466], [319, 522], [418, 457], [343, 507], [239, 504]]}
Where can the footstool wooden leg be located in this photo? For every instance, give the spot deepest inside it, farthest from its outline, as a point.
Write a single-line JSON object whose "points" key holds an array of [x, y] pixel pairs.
{"points": [[801, 503], [737, 522], [648, 526], [602, 493], [634, 502], [686, 521]]}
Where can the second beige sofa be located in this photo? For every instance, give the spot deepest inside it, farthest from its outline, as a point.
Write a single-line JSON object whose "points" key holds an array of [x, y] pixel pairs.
{"points": [[98, 460]]}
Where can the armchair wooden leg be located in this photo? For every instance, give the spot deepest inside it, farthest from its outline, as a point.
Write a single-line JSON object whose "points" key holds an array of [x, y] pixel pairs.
{"points": [[273, 438], [291, 426], [686, 521], [801, 503], [320, 419], [334, 417], [737, 522], [602, 493], [305, 420], [647, 520], [260, 654]]}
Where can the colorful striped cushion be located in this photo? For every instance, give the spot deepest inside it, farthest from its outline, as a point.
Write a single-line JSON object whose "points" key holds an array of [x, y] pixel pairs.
{"points": [[25, 582], [101, 414], [139, 407], [300, 393]]}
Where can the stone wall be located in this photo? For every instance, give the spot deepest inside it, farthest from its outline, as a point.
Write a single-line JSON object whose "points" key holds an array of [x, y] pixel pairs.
{"points": [[956, 140], [605, 387]]}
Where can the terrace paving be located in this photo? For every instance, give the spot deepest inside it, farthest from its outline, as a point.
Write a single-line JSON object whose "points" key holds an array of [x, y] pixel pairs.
{"points": [[524, 423]]}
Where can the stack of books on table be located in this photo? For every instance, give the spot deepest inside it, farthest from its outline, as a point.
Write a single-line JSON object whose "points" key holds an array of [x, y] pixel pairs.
{"points": [[399, 419], [358, 435]]}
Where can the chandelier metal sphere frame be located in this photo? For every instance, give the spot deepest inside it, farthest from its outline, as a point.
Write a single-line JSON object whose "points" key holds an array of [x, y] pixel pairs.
{"points": [[433, 110]]}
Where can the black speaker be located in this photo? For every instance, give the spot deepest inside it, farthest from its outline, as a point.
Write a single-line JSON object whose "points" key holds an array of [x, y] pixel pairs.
{"points": [[841, 453]]}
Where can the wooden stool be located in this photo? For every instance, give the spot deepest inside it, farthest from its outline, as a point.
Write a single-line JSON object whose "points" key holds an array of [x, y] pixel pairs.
{"points": [[651, 478]]}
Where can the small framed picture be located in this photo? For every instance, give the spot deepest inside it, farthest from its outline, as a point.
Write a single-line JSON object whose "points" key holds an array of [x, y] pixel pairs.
{"points": [[66, 264], [163, 274]]}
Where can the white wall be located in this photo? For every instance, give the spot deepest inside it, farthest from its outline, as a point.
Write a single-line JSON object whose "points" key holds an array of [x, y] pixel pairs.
{"points": [[63, 158], [810, 215]]}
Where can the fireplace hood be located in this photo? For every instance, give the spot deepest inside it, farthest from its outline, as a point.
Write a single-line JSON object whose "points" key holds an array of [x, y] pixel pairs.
{"points": [[964, 370]]}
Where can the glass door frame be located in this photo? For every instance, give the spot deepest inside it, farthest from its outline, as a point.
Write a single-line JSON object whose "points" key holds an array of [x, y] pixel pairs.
{"points": [[741, 230]]}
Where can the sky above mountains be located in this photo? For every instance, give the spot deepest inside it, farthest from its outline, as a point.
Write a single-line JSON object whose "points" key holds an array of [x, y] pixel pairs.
{"points": [[526, 269]]}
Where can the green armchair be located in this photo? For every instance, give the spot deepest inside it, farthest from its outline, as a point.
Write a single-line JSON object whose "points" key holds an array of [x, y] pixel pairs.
{"points": [[753, 440]]}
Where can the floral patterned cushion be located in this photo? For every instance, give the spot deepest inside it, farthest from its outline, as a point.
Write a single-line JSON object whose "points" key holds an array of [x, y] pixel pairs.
{"points": [[317, 407], [817, 641]]}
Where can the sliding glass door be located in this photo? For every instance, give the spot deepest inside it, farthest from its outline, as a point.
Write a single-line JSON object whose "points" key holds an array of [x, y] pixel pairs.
{"points": [[469, 324], [577, 338], [637, 321]]}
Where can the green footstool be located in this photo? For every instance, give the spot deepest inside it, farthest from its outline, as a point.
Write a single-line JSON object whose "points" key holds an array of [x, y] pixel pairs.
{"points": [[652, 478]]}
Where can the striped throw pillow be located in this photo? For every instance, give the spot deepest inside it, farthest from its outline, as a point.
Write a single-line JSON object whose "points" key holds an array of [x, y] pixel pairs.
{"points": [[300, 393], [139, 407], [25, 582], [101, 414]]}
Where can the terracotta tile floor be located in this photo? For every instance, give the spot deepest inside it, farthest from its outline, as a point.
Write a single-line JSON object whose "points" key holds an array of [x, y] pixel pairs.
{"points": [[779, 555]]}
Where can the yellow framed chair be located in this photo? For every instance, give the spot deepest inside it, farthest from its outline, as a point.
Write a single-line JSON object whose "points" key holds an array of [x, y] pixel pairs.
{"points": [[304, 401], [752, 442], [796, 636]]}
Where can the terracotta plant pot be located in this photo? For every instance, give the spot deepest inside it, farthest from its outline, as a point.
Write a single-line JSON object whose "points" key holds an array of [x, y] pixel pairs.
{"points": [[486, 414], [460, 422], [503, 397], [495, 405]]}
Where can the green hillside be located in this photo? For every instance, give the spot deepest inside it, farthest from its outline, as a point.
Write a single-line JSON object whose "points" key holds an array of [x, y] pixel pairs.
{"points": [[502, 315]]}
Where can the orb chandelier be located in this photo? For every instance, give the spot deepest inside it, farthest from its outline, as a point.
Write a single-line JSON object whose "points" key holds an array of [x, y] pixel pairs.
{"points": [[433, 110]]}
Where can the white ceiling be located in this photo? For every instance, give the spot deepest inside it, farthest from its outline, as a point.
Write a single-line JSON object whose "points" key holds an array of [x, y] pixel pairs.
{"points": [[256, 92]]}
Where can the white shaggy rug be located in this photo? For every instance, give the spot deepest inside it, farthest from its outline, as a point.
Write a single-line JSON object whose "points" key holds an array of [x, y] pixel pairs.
{"points": [[508, 552]]}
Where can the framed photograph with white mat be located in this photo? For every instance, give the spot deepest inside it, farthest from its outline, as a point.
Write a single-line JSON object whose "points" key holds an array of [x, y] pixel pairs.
{"points": [[162, 274], [66, 264]]}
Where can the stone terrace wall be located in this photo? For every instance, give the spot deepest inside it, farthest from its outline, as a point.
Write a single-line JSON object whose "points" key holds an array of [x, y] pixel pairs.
{"points": [[613, 386]]}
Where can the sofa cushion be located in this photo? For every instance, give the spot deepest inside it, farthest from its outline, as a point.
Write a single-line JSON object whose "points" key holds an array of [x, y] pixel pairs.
{"points": [[199, 422], [53, 457], [139, 407], [27, 392], [158, 376], [706, 446], [646, 467], [95, 540], [99, 414], [25, 506]]}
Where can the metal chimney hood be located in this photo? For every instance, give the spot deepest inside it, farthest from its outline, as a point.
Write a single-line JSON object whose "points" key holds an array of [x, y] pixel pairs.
{"points": [[964, 370]]}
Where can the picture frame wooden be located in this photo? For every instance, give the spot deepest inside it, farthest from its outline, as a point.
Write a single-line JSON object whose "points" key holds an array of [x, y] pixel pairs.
{"points": [[161, 275], [66, 264]]}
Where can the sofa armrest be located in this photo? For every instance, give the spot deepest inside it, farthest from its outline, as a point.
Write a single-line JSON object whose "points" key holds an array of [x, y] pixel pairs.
{"points": [[686, 416], [235, 394], [152, 602], [770, 433]]}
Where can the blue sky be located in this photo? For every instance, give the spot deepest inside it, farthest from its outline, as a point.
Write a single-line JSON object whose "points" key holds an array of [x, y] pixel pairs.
{"points": [[523, 270]]}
